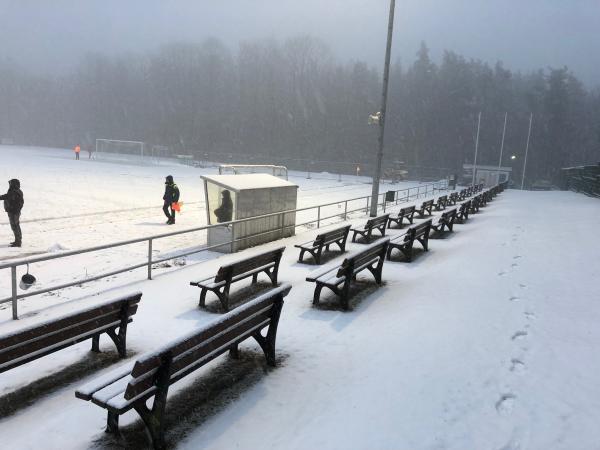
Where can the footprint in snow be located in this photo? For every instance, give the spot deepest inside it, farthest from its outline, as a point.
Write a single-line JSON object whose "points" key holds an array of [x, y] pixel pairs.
{"points": [[517, 257], [505, 403], [517, 366], [530, 315], [501, 274], [522, 286], [519, 335], [514, 299], [513, 265]]}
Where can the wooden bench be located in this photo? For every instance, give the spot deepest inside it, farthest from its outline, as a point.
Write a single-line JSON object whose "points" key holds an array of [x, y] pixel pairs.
{"points": [[453, 198], [227, 275], [338, 236], [462, 215], [37, 341], [404, 243], [132, 385], [407, 213], [426, 208], [475, 204], [339, 278], [376, 223], [445, 222], [441, 203]]}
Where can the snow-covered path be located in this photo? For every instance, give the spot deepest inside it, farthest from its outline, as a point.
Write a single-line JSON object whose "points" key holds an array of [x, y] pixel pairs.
{"points": [[489, 341]]}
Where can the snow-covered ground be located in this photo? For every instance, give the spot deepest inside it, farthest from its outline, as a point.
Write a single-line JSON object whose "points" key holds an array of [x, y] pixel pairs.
{"points": [[489, 341], [73, 204]]}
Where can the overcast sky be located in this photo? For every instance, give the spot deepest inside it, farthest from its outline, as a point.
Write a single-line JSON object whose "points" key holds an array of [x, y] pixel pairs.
{"points": [[525, 34]]}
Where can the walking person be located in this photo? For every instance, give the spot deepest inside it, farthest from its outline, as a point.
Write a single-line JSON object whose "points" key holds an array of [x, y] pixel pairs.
{"points": [[77, 150], [13, 204], [171, 196]]}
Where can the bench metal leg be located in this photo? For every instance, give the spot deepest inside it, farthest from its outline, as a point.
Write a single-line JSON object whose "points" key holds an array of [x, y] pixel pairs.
{"points": [[267, 343], [317, 294], [202, 301], [112, 423], [234, 352], [96, 344]]}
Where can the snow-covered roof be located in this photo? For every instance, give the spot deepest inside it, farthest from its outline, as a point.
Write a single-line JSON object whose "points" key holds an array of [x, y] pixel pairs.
{"points": [[248, 181]]}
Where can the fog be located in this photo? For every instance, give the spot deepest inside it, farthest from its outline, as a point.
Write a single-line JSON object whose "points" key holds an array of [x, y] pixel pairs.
{"points": [[53, 35]]}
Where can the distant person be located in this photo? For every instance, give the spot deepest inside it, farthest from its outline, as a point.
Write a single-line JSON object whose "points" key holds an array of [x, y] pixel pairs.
{"points": [[77, 150], [224, 212], [13, 204], [90, 151], [171, 196]]}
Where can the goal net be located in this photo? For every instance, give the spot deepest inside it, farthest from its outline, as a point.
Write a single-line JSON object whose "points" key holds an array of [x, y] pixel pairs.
{"points": [[117, 150], [277, 171]]}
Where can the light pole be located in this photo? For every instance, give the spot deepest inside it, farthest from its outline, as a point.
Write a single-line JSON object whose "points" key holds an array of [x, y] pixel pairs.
{"points": [[382, 116], [502, 145], [526, 151], [476, 149]]}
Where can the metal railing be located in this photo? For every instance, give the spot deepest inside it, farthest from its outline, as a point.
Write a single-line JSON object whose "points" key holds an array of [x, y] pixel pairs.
{"points": [[585, 179], [399, 196]]}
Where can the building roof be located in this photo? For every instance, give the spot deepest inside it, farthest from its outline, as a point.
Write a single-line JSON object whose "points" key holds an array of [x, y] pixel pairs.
{"points": [[492, 168], [246, 182]]}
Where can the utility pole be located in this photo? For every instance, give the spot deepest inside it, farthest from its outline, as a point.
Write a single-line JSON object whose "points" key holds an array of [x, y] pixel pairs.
{"points": [[382, 117], [526, 150], [502, 145], [476, 148]]}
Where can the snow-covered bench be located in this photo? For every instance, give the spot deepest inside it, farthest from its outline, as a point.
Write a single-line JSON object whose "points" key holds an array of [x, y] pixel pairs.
{"points": [[338, 278], [405, 242], [453, 198], [249, 267], [132, 385], [378, 223], [445, 222], [40, 340], [426, 208], [475, 204], [441, 203], [407, 213], [462, 215], [338, 236]]}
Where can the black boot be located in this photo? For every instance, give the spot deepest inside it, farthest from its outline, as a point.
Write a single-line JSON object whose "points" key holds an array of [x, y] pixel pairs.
{"points": [[15, 244]]}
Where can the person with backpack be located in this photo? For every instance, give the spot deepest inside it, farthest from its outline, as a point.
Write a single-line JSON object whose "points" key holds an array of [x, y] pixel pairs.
{"points": [[171, 196], [13, 204]]}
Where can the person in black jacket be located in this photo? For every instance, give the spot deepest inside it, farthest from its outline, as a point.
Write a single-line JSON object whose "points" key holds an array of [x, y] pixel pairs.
{"points": [[13, 204], [171, 196]]}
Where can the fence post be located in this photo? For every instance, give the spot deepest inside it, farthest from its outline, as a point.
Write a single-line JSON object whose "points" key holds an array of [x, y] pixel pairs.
{"points": [[282, 224], [346, 210], [13, 276], [149, 259], [319, 217], [368, 198], [384, 202]]}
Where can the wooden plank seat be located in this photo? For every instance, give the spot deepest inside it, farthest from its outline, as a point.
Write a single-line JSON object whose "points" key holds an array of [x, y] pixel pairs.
{"points": [[462, 215], [445, 222], [132, 385], [339, 236], [51, 336], [338, 278], [378, 223], [407, 213], [228, 274], [426, 208], [405, 242], [453, 198], [442, 203]]}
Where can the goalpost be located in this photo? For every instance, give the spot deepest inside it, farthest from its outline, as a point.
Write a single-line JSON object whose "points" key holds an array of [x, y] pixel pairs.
{"points": [[118, 150]]}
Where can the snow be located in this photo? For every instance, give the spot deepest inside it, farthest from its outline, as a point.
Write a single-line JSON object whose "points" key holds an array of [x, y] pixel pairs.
{"points": [[488, 341], [244, 182]]}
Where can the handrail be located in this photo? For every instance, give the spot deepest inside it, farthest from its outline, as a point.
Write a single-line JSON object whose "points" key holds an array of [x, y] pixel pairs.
{"points": [[13, 264]]}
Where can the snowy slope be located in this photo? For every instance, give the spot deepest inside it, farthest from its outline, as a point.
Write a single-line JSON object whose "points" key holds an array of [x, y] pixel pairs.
{"points": [[489, 341]]}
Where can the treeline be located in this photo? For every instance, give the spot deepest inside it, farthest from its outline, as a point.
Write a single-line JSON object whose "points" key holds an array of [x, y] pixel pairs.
{"points": [[293, 101]]}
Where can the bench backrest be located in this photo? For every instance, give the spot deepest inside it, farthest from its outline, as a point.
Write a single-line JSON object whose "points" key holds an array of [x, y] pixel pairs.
{"points": [[369, 254], [332, 236], [39, 340], [448, 215], [406, 210], [416, 231], [465, 206], [454, 196], [246, 265], [377, 221], [442, 199], [427, 204], [192, 351]]}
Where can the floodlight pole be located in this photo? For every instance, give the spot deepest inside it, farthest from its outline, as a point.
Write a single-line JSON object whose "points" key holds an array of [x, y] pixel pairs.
{"points": [[526, 150], [502, 145], [476, 148], [382, 118]]}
